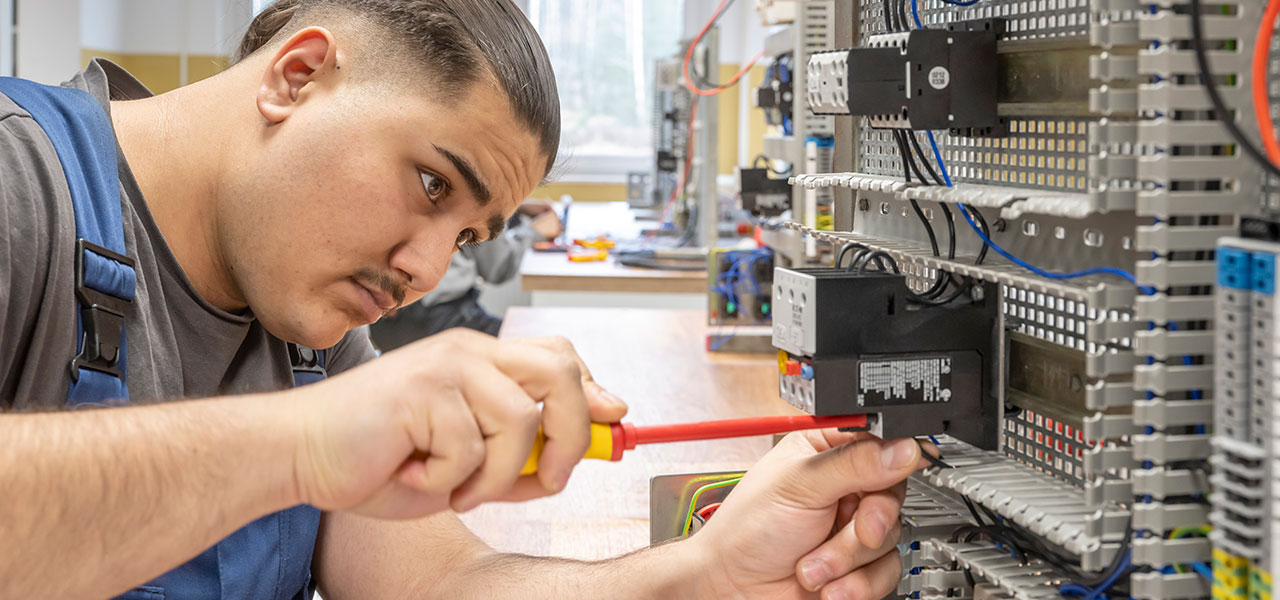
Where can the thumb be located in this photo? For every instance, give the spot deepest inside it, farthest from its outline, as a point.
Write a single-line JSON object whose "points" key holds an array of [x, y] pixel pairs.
{"points": [[603, 406], [862, 466]]}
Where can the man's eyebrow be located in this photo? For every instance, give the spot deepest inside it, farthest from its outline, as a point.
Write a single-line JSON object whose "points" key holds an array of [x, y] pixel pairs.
{"points": [[478, 188], [496, 224]]}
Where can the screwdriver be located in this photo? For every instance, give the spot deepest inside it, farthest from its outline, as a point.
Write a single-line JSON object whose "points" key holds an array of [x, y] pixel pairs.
{"points": [[610, 440]]}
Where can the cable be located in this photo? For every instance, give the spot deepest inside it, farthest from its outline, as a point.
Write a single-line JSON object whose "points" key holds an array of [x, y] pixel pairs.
{"points": [[1048, 274], [1261, 100], [1215, 97], [688, 56], [844, 249], [889, 24], [688, 520]]}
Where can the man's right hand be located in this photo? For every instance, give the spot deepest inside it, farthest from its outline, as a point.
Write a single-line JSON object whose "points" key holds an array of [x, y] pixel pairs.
{"points": [[446, 422]]}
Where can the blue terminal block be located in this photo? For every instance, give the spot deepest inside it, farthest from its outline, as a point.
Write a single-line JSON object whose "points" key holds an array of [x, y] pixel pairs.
{"points": [[1234, 268], [1263, 267]]}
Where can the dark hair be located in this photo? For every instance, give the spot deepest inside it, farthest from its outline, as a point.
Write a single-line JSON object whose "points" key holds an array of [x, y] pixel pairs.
{"points": [[453, 40]]}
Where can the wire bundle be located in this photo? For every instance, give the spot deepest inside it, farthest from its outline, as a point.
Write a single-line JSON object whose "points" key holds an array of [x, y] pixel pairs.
{"points": [[741, 270]]}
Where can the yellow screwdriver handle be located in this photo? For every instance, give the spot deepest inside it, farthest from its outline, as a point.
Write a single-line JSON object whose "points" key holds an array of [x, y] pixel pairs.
{"points": [[601, 447]]}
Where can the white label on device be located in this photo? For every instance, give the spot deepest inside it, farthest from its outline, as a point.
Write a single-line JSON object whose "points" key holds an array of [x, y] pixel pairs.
{"points": [[939, 77]]}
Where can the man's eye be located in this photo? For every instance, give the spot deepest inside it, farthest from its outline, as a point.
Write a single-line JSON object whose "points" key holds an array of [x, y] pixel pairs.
{"points": [[435, 186], [467, 237]]}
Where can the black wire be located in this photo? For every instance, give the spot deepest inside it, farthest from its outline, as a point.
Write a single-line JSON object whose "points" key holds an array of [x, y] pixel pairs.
{"points": [[902, 16], [928, 228], [876, 255], [982, 222], [702, 77], [889, 25], [1211, 86], [860, 255], [927, 165], [902, 151], [845, 249]]}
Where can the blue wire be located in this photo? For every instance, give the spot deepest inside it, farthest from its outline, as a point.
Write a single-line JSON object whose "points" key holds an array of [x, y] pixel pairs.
{"points": [[915, 14], [964, 210], [1203, 570], [937, 156], [934, 440], [1075, 589]]}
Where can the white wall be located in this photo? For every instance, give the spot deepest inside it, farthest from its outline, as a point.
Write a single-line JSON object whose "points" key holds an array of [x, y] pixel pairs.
{"points": [[48, 40]]}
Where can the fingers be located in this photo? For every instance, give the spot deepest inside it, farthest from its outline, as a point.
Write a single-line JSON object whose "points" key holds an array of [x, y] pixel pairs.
{"points": [[851, 547], [553, 378], [866, 465], [452, 442], [604, 406], [877, 516], [508, 419], [872, 582]]}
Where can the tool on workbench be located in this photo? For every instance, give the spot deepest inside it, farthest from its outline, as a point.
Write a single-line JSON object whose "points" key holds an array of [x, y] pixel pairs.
{"points": [[610, 440]]}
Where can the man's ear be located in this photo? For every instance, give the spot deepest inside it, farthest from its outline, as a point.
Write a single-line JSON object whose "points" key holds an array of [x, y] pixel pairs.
{"points": [[296, 68]]}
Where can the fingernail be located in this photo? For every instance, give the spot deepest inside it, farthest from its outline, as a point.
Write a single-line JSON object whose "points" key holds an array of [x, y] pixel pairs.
{"points": [[813, 574], [616, 401], [877, 526], [836, 594], [898, 454]]}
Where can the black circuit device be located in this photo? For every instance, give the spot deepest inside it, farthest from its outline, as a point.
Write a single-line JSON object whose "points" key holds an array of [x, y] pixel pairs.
{"points": [[853, 344], [925, 78], [762, 195]]}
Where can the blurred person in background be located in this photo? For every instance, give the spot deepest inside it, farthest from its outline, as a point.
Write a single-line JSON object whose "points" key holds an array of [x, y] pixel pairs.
{"points": [[455, 301]]}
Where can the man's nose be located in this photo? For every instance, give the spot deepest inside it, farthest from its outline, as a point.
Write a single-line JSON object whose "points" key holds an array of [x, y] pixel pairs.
{"points": [[422, 263]]}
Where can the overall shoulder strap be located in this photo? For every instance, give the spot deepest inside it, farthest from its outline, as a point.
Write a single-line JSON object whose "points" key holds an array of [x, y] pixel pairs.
{"points": [[105, 279], [308, 365]]}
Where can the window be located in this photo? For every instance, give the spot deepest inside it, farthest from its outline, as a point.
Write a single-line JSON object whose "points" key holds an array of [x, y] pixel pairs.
{"points": [[603, 52], [6, 38]]}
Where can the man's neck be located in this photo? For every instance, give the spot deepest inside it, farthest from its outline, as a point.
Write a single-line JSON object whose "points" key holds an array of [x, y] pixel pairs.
{"points": [[174, 145]]}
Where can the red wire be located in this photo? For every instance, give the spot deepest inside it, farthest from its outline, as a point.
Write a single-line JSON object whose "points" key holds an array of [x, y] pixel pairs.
{"points": [[688, 55], [1261, 99], [707, 511], [730, 428]]}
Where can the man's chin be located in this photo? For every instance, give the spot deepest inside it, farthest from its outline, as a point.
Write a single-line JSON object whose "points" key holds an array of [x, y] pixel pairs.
{"points": [[312, 335]]}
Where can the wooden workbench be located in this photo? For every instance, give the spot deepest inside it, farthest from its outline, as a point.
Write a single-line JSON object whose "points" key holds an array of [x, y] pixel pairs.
{"points": [[655, 360], [552, 272]]}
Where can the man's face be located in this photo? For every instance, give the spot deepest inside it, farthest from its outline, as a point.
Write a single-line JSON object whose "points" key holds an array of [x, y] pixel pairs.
{"points": [[358, 199]]}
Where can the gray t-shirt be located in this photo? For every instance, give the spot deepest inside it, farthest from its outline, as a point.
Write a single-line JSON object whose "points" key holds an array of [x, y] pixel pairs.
{"points": [[179, 345]]}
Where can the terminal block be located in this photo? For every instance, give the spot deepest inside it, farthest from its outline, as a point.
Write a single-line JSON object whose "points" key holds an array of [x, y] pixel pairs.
{"points": [[852, 344], [923, 79]]}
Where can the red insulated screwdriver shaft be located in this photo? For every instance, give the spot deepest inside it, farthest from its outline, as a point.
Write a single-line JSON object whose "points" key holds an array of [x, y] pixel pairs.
{"points": [[731, 428]]}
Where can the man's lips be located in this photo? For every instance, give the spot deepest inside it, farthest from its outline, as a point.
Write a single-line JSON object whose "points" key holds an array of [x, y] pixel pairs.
{"points": [[373, 303]]}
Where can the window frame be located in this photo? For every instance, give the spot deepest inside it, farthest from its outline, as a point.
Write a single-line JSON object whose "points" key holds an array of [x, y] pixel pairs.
{"points": [[8, 37]]}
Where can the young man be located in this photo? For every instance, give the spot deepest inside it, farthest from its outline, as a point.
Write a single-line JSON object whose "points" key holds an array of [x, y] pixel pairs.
{"points": [[325, 179]]}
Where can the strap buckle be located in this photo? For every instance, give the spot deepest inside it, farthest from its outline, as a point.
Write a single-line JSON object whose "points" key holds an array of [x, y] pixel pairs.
{"points": [[101, 317], [305, 360]]}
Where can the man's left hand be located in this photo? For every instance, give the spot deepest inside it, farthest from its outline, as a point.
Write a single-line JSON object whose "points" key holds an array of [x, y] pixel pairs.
{"points": [[818, 513]]}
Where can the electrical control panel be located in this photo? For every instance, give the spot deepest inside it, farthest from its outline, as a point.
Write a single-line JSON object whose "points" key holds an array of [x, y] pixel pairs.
{"points": [[852, 343], [1092, 184], [1096, 169]]}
